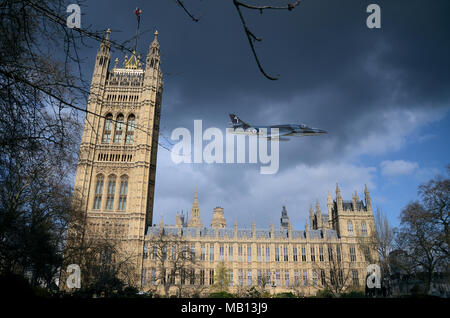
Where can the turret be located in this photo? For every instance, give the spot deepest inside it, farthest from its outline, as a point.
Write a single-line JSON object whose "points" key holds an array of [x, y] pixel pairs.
{"points": [[318, 215], [180, 222], [338, 198], [218, 220], [367, 199], [330, 210], [103, 57], [284, 218], [153, 59], [311, 217], [355, 200]]}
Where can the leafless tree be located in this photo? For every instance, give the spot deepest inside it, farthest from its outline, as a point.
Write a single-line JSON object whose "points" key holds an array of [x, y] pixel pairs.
{"points": [[174, 261], [334, 273], [106, 266], [418, 238], [423, 236], [376, 247], [435, 196], [252, 38]]}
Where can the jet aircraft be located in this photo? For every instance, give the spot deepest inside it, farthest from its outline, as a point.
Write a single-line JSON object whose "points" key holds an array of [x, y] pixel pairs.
{"points": [[296, 130]]}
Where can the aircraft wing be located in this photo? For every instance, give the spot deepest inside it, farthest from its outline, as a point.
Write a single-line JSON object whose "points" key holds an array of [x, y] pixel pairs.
{"points": [[283, 130]]}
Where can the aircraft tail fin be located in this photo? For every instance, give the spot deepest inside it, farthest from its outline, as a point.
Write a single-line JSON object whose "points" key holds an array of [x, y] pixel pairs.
{"points": [[236, 122]]}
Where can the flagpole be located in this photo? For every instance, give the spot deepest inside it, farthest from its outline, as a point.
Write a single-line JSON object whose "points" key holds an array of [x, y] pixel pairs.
{"points": [[138, 15]]}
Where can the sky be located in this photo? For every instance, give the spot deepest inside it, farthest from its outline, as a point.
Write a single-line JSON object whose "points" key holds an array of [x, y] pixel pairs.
{"points": [[383, 95]]}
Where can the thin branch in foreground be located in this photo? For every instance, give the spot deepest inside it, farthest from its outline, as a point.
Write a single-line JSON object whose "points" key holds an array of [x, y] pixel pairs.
{"points": [[251, 36], [181, 4]]}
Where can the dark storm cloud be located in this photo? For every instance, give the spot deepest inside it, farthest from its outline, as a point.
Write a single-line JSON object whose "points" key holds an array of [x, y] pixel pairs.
{"points": [[368, 88]]}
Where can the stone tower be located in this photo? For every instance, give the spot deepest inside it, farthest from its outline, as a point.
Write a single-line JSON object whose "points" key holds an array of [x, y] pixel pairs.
{"points": [[115, 179], [352, 218], [218, 220], [195, 220], [284, 220]]}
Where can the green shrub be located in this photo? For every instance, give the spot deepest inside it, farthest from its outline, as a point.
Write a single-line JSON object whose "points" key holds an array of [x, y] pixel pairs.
{"points": [[324, 293], [354, 294]]}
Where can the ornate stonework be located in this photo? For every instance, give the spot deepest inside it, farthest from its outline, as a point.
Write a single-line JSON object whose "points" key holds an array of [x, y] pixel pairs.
{"points": [[117, 161], [282, 259]]}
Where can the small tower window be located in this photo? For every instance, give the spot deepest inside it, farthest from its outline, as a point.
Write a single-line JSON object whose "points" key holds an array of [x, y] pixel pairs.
{"points": [[108, 127], [350, 228], [123, 193], [119, 130], [364, 228], [111, 191], [130, 130], [98, 192]]}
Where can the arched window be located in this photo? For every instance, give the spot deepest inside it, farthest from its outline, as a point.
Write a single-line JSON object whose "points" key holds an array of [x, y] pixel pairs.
{"points": [[111, 191], [123, 193], [98, 192], [350, 227], [108, 128], [130, 130], [119, 129], [364, 228]]}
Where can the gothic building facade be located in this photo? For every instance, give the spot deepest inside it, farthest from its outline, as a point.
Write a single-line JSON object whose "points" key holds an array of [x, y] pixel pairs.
{"points": [[115, 183], [330, 253]]}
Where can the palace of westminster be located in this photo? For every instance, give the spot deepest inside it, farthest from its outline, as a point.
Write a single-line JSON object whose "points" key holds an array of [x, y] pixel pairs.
{"points": [[116, 181]]}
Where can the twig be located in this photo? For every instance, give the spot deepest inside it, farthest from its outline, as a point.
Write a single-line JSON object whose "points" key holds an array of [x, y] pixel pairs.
{"points": [[181, 4]]}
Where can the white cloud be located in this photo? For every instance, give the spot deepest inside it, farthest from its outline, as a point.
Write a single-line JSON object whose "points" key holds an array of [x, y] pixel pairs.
{"points": [[248, 196], [393, 129], [398, 167]]}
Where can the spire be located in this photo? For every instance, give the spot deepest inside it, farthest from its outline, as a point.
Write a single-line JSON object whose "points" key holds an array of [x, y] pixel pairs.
{"points": [[195, 213], [103, 56], [153, 59], [329, 198], [154, 45], [105, 45]]}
